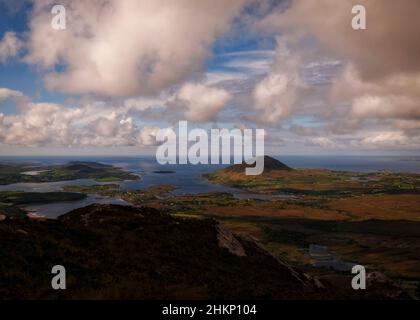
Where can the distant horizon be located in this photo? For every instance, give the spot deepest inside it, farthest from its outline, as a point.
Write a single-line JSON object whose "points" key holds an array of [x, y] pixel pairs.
{"points": [[153, 156]]}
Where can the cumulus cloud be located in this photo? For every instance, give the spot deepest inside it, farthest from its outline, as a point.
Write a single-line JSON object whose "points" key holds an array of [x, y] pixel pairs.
{"points": [[147, 136], [112, 130], [276, 94], [202, 102], [56, 125], [386, 107], [393, 97], [323, 142], [389, 44], [360, 86], [410, 127], [126, 47], [389, 139], [102, 124], [6, 94], [10, 45], [40, 123], [379, 83]]}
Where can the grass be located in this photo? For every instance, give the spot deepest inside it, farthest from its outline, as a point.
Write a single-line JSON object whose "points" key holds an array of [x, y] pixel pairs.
{"points": [[108, 179]]}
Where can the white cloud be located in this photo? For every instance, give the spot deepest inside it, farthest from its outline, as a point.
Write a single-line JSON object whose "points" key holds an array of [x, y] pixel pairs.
{"points": [[113, 130], [219, 77], [365, 86], [40, 123], [55, 125], [145, 103], [6, 94], [10, 46], [127, 47], [106, 126], [323, 142], [251, 63], [276, 94], [387, 106], [202, 102], [147, 136], [361, 86], [389, 139], [388, 46]]}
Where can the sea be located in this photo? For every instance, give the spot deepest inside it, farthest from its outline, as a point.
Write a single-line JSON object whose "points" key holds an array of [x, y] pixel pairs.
{"points": [[187, 179]]}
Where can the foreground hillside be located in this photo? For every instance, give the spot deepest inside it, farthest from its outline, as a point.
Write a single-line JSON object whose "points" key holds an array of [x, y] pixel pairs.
{"points": [[117, 252], [114, 252]]}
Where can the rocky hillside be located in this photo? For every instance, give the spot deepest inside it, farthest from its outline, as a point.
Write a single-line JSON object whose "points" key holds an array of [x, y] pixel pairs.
{"points": [[113, 252], [118, 252]]}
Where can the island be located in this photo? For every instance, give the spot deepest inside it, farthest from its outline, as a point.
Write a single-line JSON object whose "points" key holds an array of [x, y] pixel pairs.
{"points": [[23, 173], [135, 197]]}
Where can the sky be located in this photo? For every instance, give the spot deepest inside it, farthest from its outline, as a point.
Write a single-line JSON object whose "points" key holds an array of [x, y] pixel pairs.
{"points": [[123, 69]]}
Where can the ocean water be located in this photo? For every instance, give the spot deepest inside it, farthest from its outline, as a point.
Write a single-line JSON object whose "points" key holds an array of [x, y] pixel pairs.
{"points": [[355, 163], [188, 178]]}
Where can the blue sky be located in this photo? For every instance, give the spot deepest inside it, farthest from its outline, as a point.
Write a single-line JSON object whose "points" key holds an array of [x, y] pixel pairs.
{"points": [[120, 71], [13, 74]]}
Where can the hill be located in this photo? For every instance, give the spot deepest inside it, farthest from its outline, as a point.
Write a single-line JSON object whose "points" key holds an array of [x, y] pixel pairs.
{"points": [[235, 175], [118, 252], [270, 164], [278, 178], [114, 252]]}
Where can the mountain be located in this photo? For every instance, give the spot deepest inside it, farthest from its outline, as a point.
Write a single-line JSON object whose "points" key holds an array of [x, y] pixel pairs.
{"points": [[270, 164]]}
